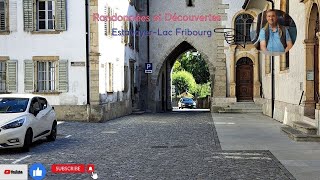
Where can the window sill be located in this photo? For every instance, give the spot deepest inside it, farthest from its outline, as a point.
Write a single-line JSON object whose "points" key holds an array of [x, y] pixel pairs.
{"points": [[45, 32], [48, 93], [284, 71], [4, 32]]}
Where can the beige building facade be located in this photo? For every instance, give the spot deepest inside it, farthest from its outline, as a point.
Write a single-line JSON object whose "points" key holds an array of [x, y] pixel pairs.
{"points": [[289, 89]]}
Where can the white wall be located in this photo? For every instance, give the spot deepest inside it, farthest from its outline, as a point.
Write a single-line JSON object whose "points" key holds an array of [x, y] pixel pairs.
{"points": [[113, 51], [287, 83], [69, 45]]}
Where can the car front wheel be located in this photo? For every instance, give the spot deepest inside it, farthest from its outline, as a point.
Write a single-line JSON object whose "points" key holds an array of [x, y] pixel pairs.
{"points": [[27, 141], [53, 134]]}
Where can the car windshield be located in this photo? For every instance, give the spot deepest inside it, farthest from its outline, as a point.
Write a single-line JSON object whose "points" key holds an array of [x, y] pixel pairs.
{"points": [[13, 105], [187, 100]]}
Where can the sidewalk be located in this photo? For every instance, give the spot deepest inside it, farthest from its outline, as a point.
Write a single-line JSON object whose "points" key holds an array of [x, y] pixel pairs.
{"points": [[260, 132]]}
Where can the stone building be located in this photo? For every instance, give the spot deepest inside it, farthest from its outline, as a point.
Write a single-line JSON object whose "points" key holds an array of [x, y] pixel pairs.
{"points": [[55, 48], [288, 90]]}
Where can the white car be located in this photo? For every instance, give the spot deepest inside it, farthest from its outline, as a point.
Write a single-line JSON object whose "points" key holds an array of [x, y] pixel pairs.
{"points": [[25, 118]]}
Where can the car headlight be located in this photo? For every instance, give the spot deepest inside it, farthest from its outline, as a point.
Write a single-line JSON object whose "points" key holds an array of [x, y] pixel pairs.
{"points": [[14, 124]]}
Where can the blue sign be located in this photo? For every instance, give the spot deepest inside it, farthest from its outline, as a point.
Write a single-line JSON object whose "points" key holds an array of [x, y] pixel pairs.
{"points": [[37, 171], [148, 68]]}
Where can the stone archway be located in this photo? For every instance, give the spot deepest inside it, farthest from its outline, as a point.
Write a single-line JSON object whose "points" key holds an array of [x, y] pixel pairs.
{"points": [[163, 74], [312, 62]]}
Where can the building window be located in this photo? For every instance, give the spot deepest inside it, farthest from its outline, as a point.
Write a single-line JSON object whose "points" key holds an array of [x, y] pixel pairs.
{"points": [[109, 77], [131, 38], [242, 26], [284, 6], [108, 25], [3, 15], [190, 3], [136, 46], [45, 15], [3, 76], [46, 76]]}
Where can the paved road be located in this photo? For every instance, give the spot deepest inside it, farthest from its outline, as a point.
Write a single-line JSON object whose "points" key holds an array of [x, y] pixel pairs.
{"points": [[176, 145]]}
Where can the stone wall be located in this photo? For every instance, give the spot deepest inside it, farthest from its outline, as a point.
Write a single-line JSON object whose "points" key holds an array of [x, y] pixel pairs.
{"points": [[93, 113]]}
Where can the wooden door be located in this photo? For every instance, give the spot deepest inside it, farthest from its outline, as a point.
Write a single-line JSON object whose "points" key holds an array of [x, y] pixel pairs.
{"points": [[244, 80]]}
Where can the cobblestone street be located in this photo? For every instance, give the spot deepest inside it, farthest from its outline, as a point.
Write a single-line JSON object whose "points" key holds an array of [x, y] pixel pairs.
{"points": [[176, 145]]}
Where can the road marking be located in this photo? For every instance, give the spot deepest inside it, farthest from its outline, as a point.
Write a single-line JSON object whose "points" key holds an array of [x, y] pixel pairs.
{"points": [[224, 123], [68, 136], [18, 160], [109, 132], [60, 122]]}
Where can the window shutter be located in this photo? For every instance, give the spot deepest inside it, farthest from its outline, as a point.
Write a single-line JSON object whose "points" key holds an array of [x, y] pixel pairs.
{"points": [[61, 21], [28, 15], [63, 75], [106, 22], [28, 76], [3, 15], [109, 22], [126, 28], [13, 16], [12, 75], [126, 84]]}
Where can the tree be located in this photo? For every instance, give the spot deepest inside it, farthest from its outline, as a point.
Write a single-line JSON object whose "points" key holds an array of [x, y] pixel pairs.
{"points": [[177, 67], [194, 64], [184, 81]]}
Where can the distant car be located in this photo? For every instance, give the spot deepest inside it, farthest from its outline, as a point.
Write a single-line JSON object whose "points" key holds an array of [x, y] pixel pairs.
{"points": [[25, 118], [186, 103]]}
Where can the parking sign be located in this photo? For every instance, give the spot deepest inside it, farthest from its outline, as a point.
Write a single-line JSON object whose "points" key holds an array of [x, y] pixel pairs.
{"points": [[148, 68]]}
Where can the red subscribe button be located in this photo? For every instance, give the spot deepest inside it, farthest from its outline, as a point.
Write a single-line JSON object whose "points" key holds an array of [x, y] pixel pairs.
{"points": [[68, 168]]}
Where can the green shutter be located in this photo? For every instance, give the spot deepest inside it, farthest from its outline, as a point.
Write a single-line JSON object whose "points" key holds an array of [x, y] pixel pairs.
{"points": [[3, 15], [28, 15], [61, 21], [63, 75], [28, 76], [12, 70], [105, 22]]}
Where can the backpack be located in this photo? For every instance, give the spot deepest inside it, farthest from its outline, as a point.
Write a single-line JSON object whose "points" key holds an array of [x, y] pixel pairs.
{"points": [[282, 38]]}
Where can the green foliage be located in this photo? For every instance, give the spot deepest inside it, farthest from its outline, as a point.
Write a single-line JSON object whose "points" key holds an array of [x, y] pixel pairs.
{"points": [[183, 81], [203, 90], [177, 67], [194, 64]]}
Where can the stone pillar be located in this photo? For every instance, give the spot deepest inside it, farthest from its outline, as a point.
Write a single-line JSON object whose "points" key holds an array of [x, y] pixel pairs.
{"points": [[94, 56], [309, 102], [267, 64], [232, 72], [256, 84]]}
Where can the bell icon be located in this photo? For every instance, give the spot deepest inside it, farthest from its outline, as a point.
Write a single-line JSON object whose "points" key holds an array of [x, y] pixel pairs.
{"points": [[90, 168]]}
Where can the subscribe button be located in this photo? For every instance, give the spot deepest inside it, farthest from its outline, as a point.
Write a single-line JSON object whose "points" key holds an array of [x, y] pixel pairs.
{"points": [[13, 172], [72, 168]]}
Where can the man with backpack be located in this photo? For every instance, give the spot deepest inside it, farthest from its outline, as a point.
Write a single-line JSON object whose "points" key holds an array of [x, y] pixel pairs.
{"points": [[274, 37]]}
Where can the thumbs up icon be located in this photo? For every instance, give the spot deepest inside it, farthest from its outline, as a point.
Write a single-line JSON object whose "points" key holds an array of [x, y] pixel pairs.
{"points": [[37, 172]]}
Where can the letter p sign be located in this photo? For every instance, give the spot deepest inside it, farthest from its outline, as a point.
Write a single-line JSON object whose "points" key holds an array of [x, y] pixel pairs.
{"points": [[148, 68]]}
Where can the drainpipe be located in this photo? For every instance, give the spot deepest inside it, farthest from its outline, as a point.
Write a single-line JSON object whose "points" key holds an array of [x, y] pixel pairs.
{"points": [[272, 76], [87, 55], [148, 56]]}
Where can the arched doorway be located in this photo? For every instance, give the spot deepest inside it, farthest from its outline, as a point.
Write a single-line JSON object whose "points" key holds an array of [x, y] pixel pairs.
{"points": [[244, 79], [312, 64], [163, 90]]}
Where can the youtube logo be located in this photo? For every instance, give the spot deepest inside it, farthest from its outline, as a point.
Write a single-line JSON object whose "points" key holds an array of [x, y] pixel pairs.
{"points": [[13, 171]]}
